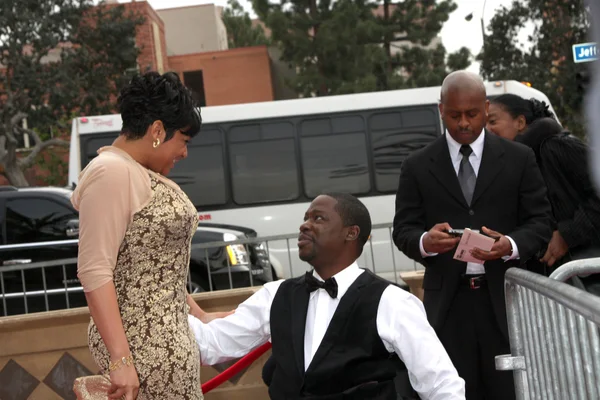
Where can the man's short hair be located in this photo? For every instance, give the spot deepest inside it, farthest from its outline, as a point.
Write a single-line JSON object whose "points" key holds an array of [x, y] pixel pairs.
{"points": [[353, 212]]}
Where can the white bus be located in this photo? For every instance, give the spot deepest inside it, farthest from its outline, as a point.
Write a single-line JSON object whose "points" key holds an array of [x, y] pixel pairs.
{"points": [[258, 165]]}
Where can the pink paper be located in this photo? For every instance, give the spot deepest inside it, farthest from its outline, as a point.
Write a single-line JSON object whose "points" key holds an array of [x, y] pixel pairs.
{"points": [[469, 241]]}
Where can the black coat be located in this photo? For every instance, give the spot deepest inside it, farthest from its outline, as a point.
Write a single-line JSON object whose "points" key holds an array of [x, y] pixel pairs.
{"points": [[510, 197], [563, 160]]}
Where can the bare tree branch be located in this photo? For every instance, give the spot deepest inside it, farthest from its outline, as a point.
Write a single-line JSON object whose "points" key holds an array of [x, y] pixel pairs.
{"points": [[10, 137], [37, 149], [18, 117], [9, 130]]}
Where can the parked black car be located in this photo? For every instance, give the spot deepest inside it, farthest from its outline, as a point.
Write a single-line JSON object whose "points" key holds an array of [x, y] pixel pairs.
{"points": [[39, 227]]}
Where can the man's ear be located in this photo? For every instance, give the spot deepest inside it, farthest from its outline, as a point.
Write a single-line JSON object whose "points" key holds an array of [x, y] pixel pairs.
{"points": [[353, 232]]}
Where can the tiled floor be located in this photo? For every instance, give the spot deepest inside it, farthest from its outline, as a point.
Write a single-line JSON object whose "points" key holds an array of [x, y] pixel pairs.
{"points": [[17, 382]]}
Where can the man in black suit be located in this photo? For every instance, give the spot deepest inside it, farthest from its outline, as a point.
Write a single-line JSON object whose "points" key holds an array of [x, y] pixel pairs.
{"points": [[337, 331], [469, 178]]}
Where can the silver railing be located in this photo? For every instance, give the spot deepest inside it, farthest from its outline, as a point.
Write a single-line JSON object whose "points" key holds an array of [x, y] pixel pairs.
{"points": [[581, 268], [554, 335], [26, 294], [241, 263]]}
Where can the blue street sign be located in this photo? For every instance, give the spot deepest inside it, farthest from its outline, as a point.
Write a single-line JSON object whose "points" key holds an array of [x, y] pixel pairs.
{"points": [[584, 52]]}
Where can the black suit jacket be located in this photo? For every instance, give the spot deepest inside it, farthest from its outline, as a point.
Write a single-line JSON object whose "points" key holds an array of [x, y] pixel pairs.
{"points": [[510, 197]]}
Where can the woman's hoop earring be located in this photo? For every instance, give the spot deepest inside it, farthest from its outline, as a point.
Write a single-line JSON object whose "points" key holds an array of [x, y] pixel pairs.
{"points": [[156, 143]]}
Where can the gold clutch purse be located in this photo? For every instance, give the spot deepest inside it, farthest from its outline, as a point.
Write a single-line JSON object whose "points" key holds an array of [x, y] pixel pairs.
{"points": [[93, 387]]}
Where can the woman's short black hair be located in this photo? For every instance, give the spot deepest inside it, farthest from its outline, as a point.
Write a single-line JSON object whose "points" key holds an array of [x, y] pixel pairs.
{"points": [[353, 212], [154, 97], [531, 109]]}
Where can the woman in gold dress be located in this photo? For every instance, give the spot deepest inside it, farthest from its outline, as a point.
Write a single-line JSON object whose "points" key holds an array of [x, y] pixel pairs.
{"points": [[136, 228]]}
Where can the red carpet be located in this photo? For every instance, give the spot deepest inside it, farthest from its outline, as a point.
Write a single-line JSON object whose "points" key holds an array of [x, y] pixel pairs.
{"points": [[235, 368]]}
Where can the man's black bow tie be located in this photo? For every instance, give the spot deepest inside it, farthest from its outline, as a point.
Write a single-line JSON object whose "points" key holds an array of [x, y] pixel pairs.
{"points": [[312, 284]]}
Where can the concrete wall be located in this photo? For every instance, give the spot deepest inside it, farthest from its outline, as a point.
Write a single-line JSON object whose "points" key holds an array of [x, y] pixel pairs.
{"points": [[194, 29], [41, 354]]}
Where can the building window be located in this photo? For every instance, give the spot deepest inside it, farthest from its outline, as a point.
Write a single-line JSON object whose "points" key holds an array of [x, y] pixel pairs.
{"points": [[24, 141], [334, 155], [194, 80], [263, 163], [396, 134]]}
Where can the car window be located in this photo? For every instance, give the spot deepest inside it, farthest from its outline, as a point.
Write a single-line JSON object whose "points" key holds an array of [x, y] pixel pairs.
{"points": [[36, 220]]}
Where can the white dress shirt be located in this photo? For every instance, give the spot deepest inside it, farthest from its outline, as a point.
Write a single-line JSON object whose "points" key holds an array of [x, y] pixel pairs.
{"points": [[475, 160], [401, 323]]}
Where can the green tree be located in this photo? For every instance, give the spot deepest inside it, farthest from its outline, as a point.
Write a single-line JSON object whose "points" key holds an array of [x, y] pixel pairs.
{"points": [[428, 67], [415, 22], [547, 61], [459, 60], [240, 31], [346, 46], [60, 57], [330, 44]]}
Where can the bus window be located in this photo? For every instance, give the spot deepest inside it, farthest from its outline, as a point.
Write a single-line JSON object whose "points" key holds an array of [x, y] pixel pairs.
{"points": [[394, 135], [202, 174], [263, 163], [334, 155], [91, 145]]}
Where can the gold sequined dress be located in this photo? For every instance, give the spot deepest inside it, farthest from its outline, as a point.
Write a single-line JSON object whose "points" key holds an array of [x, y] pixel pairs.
{"points": [[150, 281]]}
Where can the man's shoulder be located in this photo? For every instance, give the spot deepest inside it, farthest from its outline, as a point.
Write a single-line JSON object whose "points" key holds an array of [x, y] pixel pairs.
{"points": [[510, 147]]}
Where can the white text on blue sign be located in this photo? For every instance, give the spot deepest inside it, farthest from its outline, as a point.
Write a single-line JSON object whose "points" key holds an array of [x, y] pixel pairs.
{"points": [[584, 52]]}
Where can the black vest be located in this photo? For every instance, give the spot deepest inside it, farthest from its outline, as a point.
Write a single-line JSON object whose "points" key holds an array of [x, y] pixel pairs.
{"points": [[351, 362]]}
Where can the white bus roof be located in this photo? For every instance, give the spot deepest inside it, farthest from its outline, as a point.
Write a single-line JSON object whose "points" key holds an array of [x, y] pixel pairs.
{"points": [[315, 105]]}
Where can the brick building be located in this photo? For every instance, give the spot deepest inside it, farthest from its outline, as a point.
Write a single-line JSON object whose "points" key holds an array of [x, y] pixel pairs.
{"points": [[225, 77], [192, 41], [150, 38]]}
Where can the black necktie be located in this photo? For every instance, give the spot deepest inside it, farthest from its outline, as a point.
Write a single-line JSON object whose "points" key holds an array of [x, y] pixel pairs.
{"points": [[466, 174], [312, 284]]}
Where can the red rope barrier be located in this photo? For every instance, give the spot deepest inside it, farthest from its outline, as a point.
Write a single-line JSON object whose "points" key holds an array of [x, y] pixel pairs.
{"points": [[235, 368]]}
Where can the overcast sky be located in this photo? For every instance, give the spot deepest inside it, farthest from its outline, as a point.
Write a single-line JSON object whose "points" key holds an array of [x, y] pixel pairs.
{"points": [[456, 32]]}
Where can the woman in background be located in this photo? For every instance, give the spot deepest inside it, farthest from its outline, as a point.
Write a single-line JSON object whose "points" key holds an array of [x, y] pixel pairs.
{"points": [[136, 228], [563, 161]]}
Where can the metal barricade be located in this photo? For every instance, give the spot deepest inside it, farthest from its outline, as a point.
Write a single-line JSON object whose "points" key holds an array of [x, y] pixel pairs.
{"points": [[27, 286], [571, 269], [554, 336]]}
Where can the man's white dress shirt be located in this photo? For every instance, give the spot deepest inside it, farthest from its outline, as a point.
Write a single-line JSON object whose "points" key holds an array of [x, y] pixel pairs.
{"points": [[475, 160], [401, 323]]}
